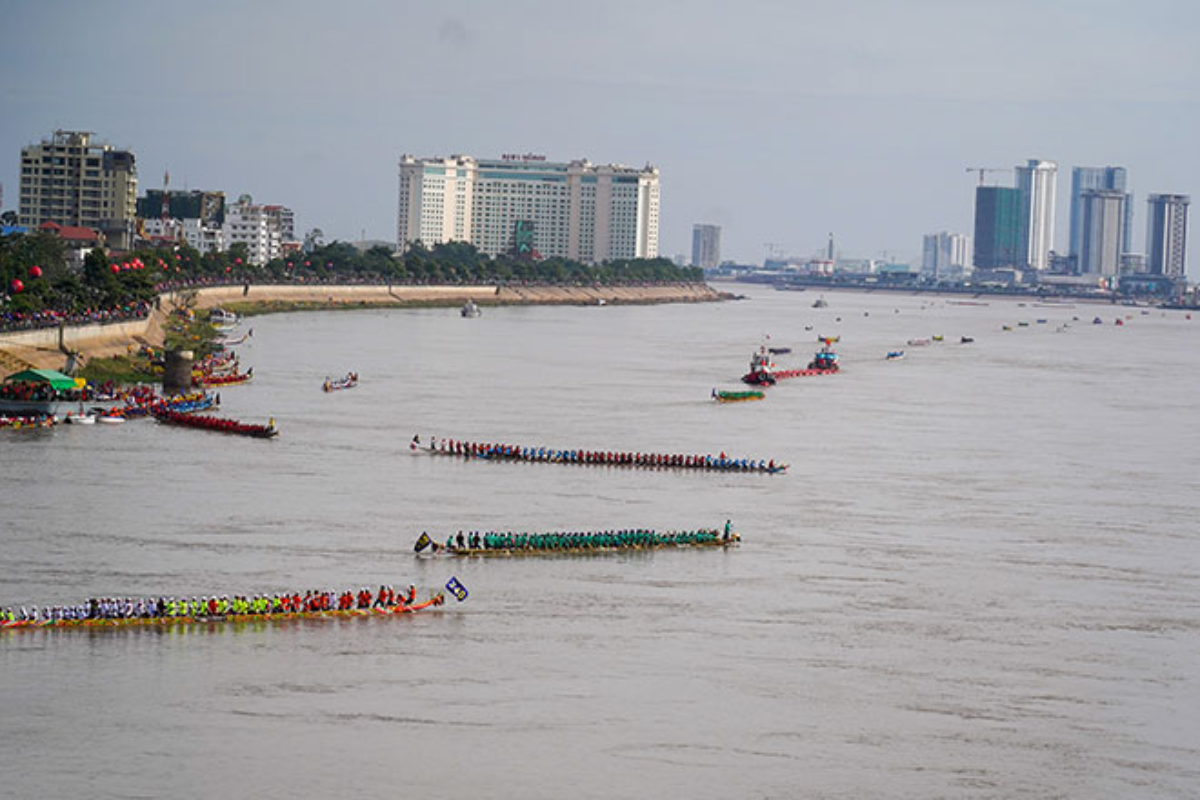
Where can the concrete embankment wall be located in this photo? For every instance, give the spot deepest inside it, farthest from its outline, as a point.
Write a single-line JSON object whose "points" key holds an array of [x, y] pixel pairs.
{"points": [[399, 295], [75, 337], [40, 347]]}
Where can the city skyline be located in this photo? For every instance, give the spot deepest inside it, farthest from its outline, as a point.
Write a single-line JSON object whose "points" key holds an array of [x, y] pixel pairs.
{"points": [[853, 122]]}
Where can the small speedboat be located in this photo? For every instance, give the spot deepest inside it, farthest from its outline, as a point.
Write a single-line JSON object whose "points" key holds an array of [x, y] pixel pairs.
{"points": [[966, 340], [779, 351], [918, 342], [106, 419], [895, 355]]}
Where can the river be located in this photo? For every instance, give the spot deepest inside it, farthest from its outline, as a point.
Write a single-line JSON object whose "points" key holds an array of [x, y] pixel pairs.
{"points": [[979, 578]]}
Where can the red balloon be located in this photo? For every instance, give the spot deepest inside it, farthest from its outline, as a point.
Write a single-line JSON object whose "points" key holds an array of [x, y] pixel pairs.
{"points": [[35, 271], [17, 286], [115, 268]]}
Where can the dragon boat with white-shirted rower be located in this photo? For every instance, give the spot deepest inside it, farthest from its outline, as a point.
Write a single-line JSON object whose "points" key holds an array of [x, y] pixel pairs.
{"points": [[606, 458], [202, 611]]}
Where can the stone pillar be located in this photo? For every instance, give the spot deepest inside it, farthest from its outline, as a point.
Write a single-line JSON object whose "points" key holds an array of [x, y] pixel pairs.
{"points": [[177, 372]]}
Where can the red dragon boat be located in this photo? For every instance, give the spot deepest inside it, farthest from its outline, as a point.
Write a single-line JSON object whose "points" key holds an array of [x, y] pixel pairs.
{"points": [[217, 424]]}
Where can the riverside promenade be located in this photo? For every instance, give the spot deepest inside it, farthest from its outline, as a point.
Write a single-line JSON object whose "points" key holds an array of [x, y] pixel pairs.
{"points": [[43, 349]]}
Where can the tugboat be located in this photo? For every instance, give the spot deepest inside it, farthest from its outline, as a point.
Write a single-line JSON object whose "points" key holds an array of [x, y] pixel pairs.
{"points": [[470, 310], [763, 373], [824, 360], [760, 370]]}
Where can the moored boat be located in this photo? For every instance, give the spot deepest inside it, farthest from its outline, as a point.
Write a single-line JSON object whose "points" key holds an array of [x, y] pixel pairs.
{"points": [[222, 318], [19, 422], [228, 342], [470, 310], [233, 379]]}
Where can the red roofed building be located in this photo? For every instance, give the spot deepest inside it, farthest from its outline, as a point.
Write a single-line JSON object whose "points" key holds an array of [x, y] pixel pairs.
{"points": [[74, 236]]}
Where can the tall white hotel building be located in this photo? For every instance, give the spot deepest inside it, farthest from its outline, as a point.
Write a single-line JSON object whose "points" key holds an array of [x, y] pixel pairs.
{"points": [[577, 210], [1036, 182]]}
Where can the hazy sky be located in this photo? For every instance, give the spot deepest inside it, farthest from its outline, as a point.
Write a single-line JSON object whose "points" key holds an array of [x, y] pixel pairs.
{"points": [[780, 121]]}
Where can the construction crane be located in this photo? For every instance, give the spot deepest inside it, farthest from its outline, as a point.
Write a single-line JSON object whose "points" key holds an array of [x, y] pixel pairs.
{"points": [[773, 248], [982, 170]]}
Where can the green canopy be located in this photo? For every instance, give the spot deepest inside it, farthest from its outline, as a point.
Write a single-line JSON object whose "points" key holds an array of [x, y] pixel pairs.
{"points": [[56, 379]]}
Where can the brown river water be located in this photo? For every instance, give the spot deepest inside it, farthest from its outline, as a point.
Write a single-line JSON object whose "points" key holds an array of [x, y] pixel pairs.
{"points": [[979, 578]]}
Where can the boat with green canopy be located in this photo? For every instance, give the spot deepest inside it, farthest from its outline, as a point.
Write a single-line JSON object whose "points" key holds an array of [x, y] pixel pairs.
{"points": [[40, 391]]}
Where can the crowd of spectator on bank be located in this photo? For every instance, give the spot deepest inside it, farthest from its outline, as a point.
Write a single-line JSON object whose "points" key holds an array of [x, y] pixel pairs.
{"points": [[49, 318]]}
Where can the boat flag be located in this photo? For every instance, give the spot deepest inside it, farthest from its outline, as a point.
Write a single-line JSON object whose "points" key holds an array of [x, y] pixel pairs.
{"points": [[423, 541], [457, 589]]}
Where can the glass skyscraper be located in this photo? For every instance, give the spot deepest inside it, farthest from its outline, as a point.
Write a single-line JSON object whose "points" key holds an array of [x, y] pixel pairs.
{"points": [[999, 242]]}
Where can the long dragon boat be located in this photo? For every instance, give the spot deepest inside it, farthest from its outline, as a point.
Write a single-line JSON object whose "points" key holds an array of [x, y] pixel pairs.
{"points": [[548, 455], [216, 424], [27, 422], [722, 396], [233, 379], [549, 544], [229, 342], [205, 619], [191, 404]]}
